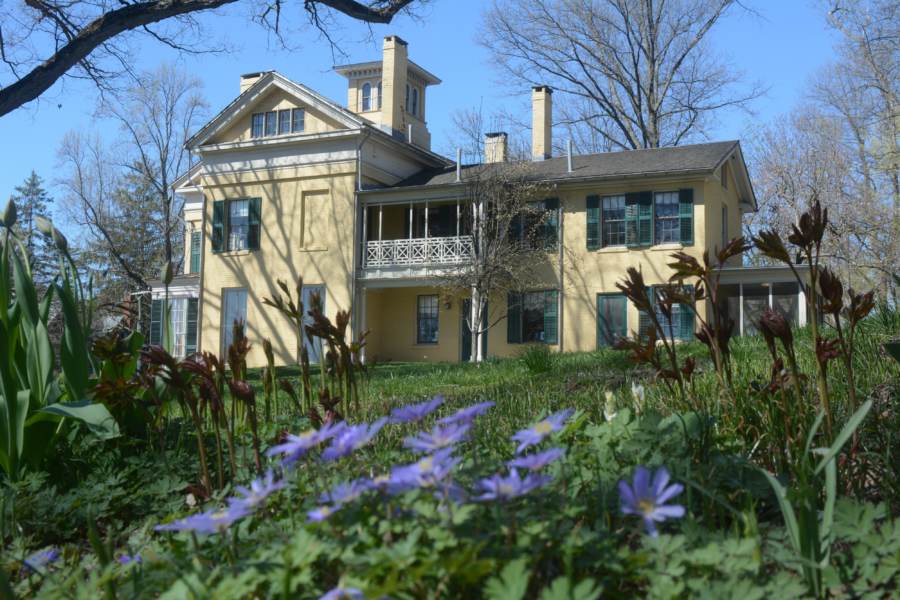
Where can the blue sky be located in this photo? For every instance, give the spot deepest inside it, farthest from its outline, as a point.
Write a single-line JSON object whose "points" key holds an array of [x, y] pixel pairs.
{"points": [[780, 48]]}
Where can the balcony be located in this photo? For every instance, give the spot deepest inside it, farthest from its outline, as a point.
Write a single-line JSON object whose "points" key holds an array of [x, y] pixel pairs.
{"points": [[452, 250]]}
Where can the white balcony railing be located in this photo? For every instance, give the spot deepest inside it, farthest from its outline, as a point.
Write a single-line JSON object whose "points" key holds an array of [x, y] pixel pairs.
{"points": [[419, 251]]}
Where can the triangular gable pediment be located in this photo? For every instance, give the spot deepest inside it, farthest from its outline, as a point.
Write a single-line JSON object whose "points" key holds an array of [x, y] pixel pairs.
{"points": [[242, 106]]}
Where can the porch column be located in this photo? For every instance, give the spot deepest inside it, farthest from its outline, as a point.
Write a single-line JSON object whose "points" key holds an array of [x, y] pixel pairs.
{"points": [[410, 220], [741, 308], [363, 321], [365, 233], [426, 219], [457, 217], [380, 215], [801, 306]]}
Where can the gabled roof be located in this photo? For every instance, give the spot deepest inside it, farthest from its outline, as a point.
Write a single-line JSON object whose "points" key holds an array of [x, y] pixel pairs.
{"points": [[238, 107], [694, 159]]}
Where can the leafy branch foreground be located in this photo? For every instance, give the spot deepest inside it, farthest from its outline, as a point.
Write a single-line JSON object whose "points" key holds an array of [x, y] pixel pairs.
{"points": [[574, 476]]}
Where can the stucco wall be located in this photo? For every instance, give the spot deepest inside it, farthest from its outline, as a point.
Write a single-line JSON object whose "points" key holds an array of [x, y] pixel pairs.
{"points": [[306, 229]]}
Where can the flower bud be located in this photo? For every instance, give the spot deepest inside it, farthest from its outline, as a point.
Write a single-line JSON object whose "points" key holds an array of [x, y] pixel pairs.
{"points": [[9, 215], [167, 273], [241, 390], [775, 324], [44, 225], [62, 244]]}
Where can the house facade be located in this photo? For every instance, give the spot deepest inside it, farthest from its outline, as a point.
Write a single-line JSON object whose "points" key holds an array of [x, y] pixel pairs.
{"points": [[290, 184]]}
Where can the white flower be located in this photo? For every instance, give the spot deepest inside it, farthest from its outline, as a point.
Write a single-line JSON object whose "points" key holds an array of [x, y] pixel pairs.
{"points": [[609, 408], [637, 391]]}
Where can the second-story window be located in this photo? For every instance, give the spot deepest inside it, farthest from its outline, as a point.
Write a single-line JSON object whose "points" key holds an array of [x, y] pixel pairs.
{"points": [[666, 221], [257, 125], [284, 122], [271, 123], [366, 97], [236, 224], [379, 96], [407, 98], [613, 220], [415, 101], [196, 248], [298, 120]]}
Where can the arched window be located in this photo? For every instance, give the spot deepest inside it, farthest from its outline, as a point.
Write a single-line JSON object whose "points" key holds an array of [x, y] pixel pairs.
{"points": [[415, 102], [367, 97], [407, 97], [379, 96]]}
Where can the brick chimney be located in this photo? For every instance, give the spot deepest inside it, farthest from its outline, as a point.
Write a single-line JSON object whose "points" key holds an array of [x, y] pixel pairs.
{"points": [[495, 147], [541, 122], [393, 82]]}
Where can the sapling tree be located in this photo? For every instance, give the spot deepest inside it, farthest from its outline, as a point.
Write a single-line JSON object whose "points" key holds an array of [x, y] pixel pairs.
{"points": [[512, 231]]}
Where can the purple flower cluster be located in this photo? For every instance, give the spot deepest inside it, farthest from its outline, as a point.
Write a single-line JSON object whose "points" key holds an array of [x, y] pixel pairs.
{"points": [[351, 437], [439, 437], [498, 487], [539, 431], [415, 412], [343, 593], [466, 415], [217, 521], [41, 559], [298, 445], [537, 461], [647, 498]]}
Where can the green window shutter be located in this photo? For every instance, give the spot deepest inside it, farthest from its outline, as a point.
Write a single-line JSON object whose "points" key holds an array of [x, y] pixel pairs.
{"points": [[551, 317], [593, 222], [254, 220], [156, 322], [686, 215], [513, 318], [218, 226], [612, 319], [632, 237], [551, 224], [645, 218], [190, 330], [644, 322], [686, 326], [195, 251]]}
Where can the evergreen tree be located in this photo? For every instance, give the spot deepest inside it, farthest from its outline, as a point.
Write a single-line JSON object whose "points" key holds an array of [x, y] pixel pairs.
{"points": [[33, 201]]}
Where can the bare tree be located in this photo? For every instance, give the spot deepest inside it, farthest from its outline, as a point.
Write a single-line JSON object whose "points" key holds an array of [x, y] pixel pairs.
{"points": [[110, 186], [511, 233], [42, 41], [630, 73]]}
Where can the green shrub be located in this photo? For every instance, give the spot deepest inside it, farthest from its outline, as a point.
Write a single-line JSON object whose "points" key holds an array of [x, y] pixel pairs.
{"points": [[538, 358]]}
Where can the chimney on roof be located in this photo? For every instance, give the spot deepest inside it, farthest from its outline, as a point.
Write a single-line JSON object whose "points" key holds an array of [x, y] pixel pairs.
{"points": [[249, 79], [495, 147], [394, 65], [541, 122]]}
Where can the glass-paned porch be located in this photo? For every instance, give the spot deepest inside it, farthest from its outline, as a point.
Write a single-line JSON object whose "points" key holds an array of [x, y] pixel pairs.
{"points": [[745, 303]]}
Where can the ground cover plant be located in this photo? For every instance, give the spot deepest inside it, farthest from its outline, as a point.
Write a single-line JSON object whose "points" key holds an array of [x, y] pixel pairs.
{"points": [[759, 466]]}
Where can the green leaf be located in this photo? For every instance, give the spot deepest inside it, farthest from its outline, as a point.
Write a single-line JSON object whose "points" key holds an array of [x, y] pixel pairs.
{"points": [[787, 511], [95, 416], [844, 435], [561, 589], [73, 352], [511, 584], [26, 295]]}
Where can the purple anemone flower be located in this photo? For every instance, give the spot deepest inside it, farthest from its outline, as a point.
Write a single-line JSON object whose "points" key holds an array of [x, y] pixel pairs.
{"points": [[39, 560], [350, 438], [648, 498], [426, 472], [539, 460], [208, 522], [127, 560], [439, 437], [415, 412], [466, 415], [320, 514], [540, 430], [498, 487], [344, 493], [260, 489], [343, 593], [298, 445]]}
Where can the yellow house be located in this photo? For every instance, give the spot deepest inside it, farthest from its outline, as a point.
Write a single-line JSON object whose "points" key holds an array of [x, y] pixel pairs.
{"points": [[290, 183]]}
